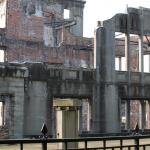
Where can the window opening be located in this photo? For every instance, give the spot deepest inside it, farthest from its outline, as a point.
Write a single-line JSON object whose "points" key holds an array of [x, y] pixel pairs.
{"points": [[66, 13], [1, 113], [1, 55]]}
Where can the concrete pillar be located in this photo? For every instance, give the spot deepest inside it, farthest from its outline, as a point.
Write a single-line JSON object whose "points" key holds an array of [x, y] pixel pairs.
{"points": [[141, 55], [106, 118], [16, 110], [98, 107], [127, 46], [143, 115], [141, 70], [50, 117], [76, 13], [38, 108], [85, 115], [80, 119], [90, 114], [120, 62], [141, 52], [148, 115], [128, 69], [81, 74], [127, 53], [149, 61], [128, 114]]}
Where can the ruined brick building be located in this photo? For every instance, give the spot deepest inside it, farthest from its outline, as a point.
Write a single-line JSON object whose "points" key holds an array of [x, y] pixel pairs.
{"points": [[36, 31], [48, 74]]}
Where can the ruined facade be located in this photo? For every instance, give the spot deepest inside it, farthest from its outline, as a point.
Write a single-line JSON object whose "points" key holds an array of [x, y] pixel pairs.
{"points": [[36, 31], [47, 60]]}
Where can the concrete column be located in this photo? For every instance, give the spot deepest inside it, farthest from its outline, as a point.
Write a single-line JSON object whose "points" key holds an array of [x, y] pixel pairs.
{"points": [[85, 115], [120, 62], [127, 45], [128, 69], [50, 117], [141, 62], [149, 61], [90, 114], [143, 115], [76, 13], [106, 118], [16, 108], [98, 106], [81, 74], [141, 70], [38, 108], [128, 114], [148, 115], [141, 55], [127, 50], [127, 53], [97, 112], [80, 119]]}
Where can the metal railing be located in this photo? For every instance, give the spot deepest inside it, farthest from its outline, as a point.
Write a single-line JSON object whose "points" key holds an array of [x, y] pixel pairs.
{"points": [[139, 142]]}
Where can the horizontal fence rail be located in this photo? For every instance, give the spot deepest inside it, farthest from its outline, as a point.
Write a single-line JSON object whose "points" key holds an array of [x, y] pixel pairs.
{"points": [[137, 142]]}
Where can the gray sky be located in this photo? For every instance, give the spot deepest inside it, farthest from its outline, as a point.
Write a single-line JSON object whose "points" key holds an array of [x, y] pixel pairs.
{"points": [[104, 9]]}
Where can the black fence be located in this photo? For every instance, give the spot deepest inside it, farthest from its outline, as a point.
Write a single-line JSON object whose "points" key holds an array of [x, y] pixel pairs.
{"points": [[136, 142]]}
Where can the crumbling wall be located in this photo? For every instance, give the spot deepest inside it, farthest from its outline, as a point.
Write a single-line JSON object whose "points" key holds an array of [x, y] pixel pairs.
{"points": [[64, 55], [7, 113], [4, 132], [69, 39], [12, 96], [32, 35], [23, 21], [26, 19]]}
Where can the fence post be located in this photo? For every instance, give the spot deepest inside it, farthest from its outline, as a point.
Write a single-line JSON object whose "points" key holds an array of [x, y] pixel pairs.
{"points": [[44, 145], [136, 132], [121, 144], [66, 145], [21, 146], [104, 144], [44, 131], [137, 143], [85, 144]]}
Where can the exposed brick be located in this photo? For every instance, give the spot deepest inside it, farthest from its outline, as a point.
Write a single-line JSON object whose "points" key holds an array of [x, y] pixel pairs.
{"points": [[29, 27]]}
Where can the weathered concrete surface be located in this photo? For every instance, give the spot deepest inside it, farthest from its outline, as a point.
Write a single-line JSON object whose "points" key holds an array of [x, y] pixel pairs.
{"points": [[12, 90], [29, 92], [37, 32], [35, 108], [106, 119]]}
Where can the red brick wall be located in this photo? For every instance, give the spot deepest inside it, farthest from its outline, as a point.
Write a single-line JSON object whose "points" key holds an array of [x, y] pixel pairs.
{"points": [[23, 29], [21, 26], [63, 55]]}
